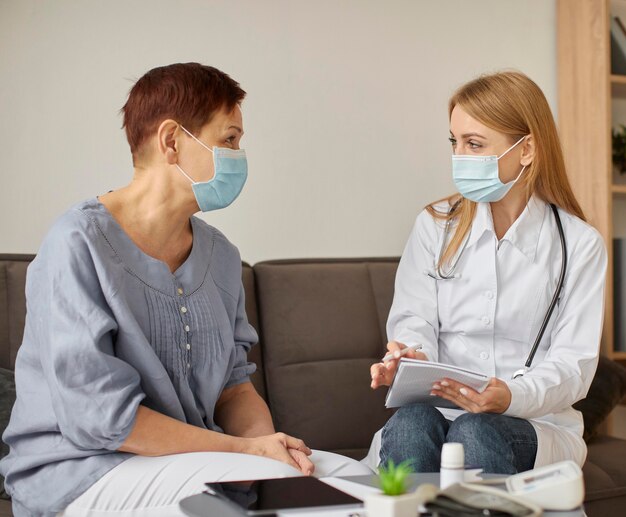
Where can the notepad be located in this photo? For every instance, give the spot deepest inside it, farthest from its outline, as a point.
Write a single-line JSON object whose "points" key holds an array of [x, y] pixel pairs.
{"points": [[414, 380]]}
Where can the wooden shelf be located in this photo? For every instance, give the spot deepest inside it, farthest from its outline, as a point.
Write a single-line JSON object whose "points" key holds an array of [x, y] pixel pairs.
{"points": [[618, 86], [618, 189], [618, 79], [592, 101], [585, 119]]}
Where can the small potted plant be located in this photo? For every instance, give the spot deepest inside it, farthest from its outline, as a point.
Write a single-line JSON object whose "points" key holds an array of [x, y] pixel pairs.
{"points": [[394, 500]]}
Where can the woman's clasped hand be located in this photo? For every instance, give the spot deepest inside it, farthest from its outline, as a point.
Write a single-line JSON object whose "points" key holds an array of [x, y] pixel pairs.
{"points": [[281, 447]]}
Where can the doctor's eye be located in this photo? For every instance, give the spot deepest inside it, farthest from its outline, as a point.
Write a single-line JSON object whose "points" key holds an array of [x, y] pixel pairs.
{"points": [[473, 145], [452, 141]]}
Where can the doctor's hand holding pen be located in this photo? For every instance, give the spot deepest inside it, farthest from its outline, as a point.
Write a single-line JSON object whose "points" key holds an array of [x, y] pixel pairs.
{"points": [[382, 373]]}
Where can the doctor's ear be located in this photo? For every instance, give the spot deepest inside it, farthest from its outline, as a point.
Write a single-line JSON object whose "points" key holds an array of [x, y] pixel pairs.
{"points": [[168, 134], [528, 151]]}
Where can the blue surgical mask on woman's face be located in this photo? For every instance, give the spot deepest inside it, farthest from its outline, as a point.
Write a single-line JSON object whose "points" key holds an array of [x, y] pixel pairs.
{"points": [[477, 178], [230, 174]]}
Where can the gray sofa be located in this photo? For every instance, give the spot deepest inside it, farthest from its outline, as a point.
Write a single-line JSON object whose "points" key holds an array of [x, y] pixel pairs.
{"points": [[321, 324]]}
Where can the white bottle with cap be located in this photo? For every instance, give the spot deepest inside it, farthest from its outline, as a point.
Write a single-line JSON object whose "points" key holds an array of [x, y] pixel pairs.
{"points": [[452, 465]]}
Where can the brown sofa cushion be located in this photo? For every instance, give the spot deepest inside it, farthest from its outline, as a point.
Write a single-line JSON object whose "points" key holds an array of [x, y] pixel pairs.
{"points": [[606, 391], [323, 325], [7, 399], [12, 306], [255, 356], [605, 468]]}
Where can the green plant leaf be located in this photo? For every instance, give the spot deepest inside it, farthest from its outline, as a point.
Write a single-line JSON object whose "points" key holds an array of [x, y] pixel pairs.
{"points": [[393, 478]]}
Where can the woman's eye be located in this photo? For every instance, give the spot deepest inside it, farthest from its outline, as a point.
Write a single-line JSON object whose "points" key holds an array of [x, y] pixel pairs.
{"points": [[452, 141], [474, 145]]}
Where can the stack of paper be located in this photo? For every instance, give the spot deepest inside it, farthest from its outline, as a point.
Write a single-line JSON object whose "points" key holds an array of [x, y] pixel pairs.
{"points": [[414, 381]]}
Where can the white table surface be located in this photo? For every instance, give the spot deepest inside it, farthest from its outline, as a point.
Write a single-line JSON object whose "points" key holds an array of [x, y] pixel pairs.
{"points": [[203, 505]]}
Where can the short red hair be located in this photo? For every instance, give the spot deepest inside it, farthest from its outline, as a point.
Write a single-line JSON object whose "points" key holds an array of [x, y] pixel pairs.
{"points": [[189, 93]]}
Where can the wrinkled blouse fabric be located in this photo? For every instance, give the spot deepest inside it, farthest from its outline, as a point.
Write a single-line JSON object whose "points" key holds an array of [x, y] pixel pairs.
{"points": [[107, 328]]}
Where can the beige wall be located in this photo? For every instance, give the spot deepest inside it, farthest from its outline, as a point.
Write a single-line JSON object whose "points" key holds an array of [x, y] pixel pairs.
{"points": [[345, 120]]}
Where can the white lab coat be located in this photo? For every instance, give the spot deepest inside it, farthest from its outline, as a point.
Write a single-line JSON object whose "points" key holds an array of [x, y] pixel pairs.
{"points": [[486, 319]]}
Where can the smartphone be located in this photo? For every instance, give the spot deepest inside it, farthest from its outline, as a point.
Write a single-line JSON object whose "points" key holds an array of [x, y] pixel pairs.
{"points": [[268, 496]]}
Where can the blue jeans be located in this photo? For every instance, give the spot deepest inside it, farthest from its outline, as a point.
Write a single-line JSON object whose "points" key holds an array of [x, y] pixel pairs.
{"points": [[496, 443]]}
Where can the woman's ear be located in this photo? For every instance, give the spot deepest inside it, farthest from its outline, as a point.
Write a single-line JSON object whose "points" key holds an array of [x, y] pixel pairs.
{"points": [[167, 140], [528, 151]]}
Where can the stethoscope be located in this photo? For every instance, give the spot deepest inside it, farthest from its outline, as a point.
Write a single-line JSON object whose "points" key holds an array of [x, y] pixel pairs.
{"points": [[440, 275]]}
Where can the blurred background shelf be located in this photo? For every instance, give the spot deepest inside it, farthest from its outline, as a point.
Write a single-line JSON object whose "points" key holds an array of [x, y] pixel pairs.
{"points": [[592, 101], [618, 86]]}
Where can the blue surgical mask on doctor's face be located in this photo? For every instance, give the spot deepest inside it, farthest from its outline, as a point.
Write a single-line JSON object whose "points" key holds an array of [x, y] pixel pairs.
{"points": [[477, 178], [230, 174]]}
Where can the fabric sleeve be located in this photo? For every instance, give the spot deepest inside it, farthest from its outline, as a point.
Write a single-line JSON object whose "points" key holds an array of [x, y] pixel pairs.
{"points": [[413, 318], [93, 393], [245, 337], [563, 377]]}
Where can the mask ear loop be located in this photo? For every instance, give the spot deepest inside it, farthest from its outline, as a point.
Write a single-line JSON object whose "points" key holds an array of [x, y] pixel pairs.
{"points": [[185, 174], [199, 141], [514, 145], [519, 175], [513, 182]]}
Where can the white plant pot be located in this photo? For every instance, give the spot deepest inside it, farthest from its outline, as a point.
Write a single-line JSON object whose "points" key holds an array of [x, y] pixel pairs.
{"points": [[380, 505]]}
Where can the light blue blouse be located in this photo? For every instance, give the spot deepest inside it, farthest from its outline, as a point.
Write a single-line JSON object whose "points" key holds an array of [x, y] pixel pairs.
{"points": [[107, 328]]}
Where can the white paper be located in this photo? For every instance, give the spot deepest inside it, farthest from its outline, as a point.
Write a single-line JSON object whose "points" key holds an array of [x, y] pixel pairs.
{"points": [[472, 475], [414, 380], [358, 490]]}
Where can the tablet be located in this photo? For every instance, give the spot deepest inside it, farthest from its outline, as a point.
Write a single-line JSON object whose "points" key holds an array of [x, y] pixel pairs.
{"points": [[268, 496]]}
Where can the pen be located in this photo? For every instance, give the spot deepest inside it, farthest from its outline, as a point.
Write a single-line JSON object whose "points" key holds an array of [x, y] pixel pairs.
{"points": [[403, 352]]}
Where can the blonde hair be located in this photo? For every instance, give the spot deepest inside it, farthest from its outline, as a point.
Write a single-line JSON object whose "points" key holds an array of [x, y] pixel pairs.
{"points": [[511, 103]]}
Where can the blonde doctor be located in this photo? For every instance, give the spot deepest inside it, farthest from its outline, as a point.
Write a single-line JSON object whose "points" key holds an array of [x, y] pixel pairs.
{"points": [[486, 273]]}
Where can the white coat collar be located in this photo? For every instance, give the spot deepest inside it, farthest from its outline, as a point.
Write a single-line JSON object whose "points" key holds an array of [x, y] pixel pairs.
{"points": [[523, 233]]}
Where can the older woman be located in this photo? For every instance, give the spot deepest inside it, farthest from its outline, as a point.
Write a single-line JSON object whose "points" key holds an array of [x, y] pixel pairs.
{"points": [[136, 339]]}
